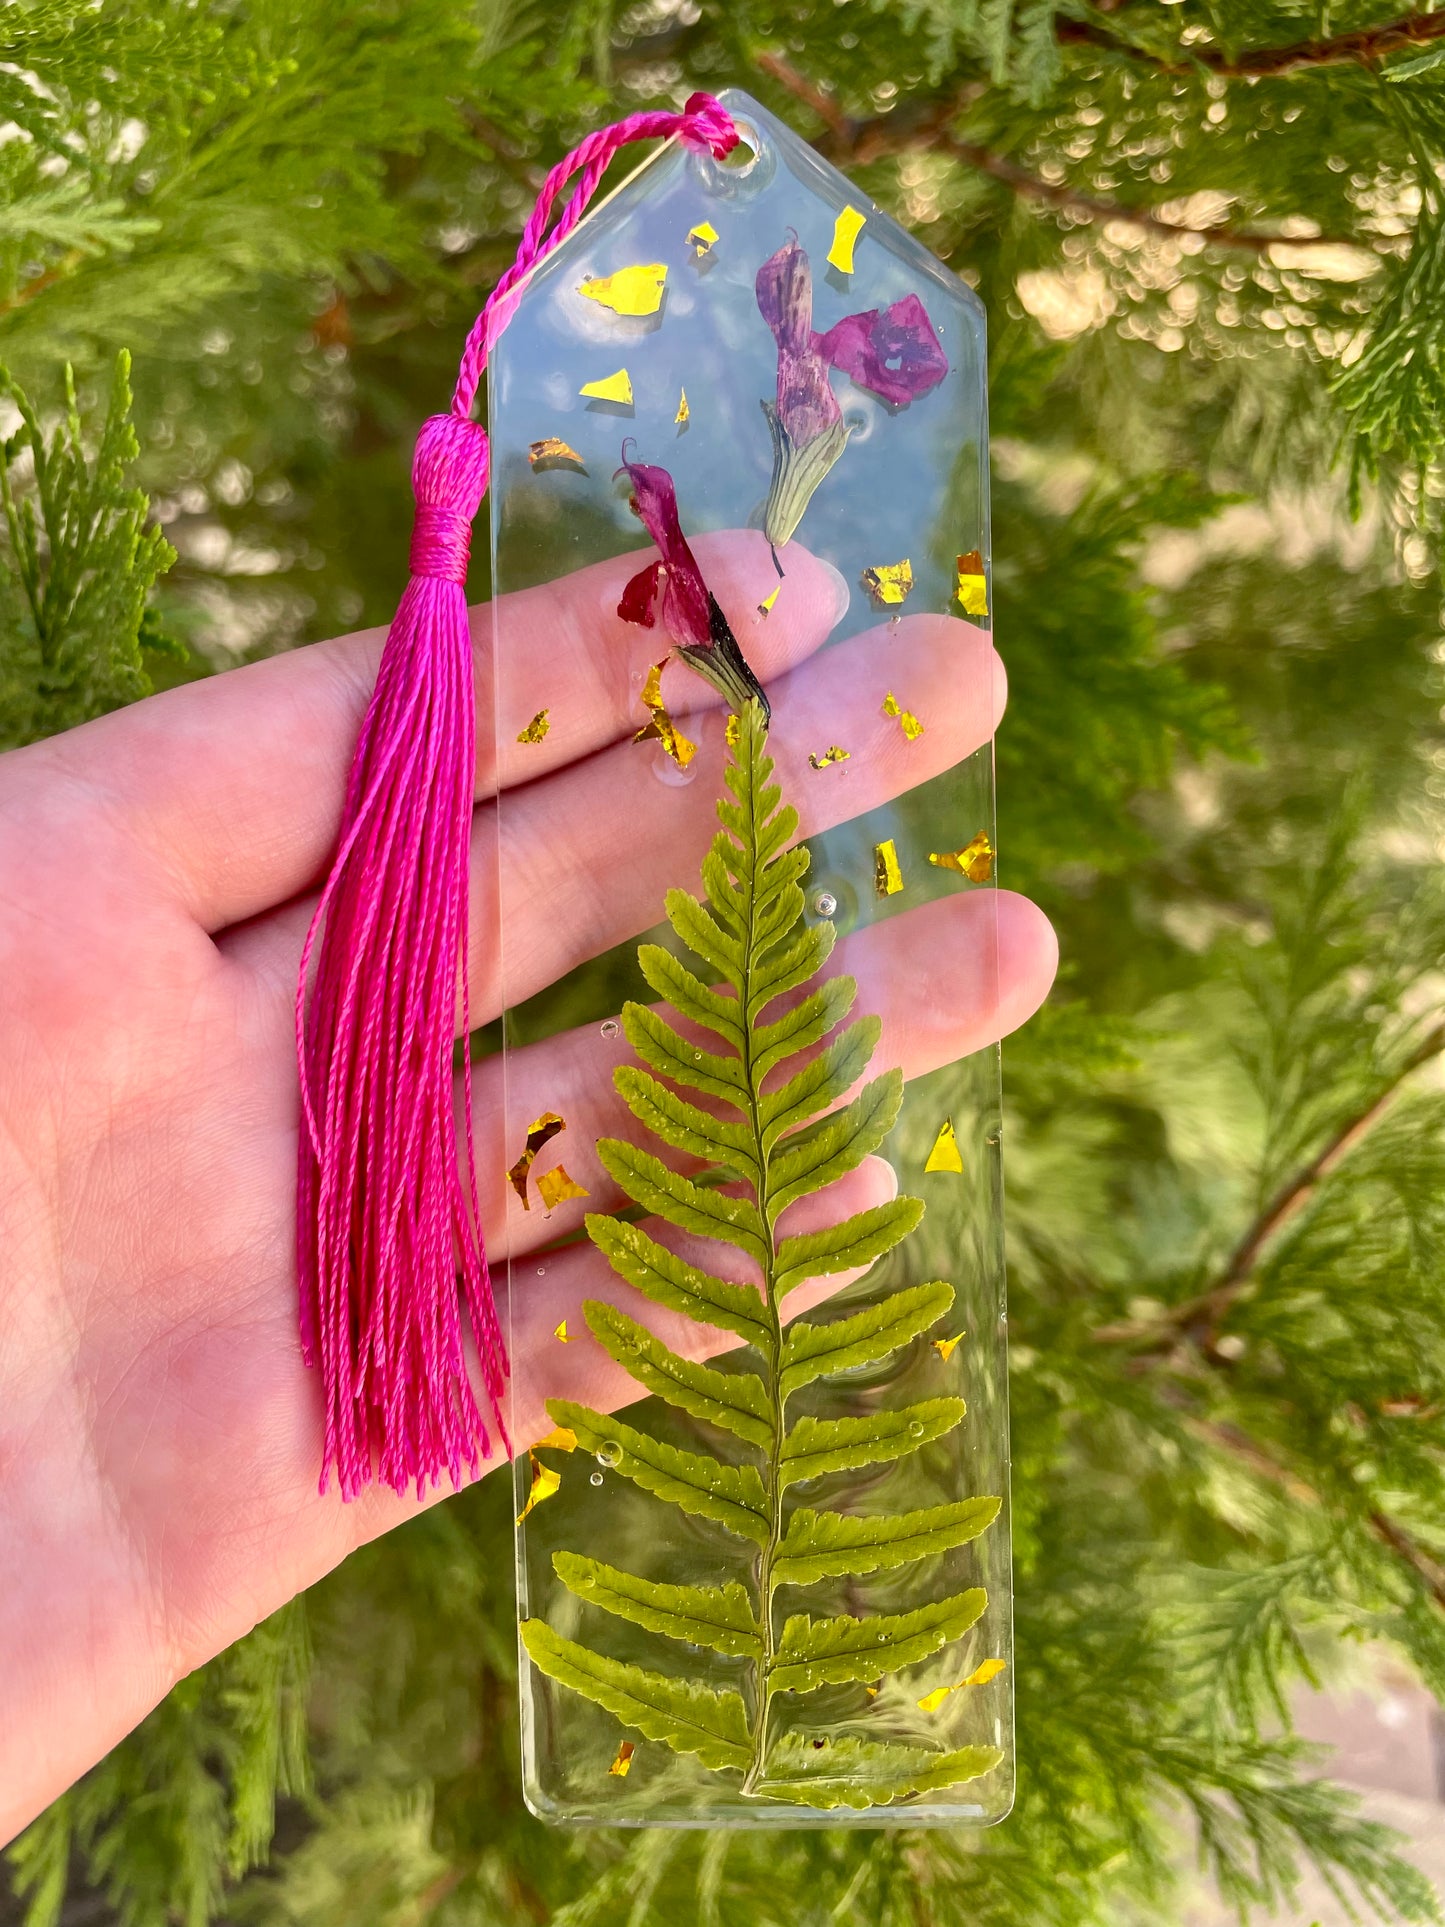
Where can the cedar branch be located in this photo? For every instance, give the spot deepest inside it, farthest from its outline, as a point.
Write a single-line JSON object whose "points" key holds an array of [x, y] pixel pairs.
{"points": [[1366, 47]]}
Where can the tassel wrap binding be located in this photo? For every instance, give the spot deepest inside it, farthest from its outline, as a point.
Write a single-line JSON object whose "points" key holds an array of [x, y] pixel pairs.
{"points": [[389, 1239]]}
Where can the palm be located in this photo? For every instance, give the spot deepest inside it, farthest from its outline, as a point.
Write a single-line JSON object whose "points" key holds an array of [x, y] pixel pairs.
{"points": [[159, 1435]]}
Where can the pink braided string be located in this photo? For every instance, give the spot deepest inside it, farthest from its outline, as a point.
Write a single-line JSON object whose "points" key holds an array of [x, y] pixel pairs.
{"points": [[388, 1222]]}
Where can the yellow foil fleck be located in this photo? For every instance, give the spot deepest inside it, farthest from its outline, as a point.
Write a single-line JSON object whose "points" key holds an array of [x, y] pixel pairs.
{"points": [[630, 291], [972, 584], [887, 877], [833, 754], [946, 1347], [684, 413], [662, 729], [889, 582], [945, 1155], [980, 1676], [560, 1332], [539, 1132], [552, 449], [846, 229], [623, 1760], [733, 730], [555, 1187], [990, 1669], [974, 860], [536, 729], [703, 237], [908, 722], [544, 1485], [560, 1439], [871, 1691], [766, 605], [616, 387]]}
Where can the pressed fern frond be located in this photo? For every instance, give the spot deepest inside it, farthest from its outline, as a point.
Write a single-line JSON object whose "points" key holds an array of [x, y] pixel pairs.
{"points": [[781, 1140]]}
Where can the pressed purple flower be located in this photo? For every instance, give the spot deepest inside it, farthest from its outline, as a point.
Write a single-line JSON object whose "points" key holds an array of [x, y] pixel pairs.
{"points": [[806, 422], [893, 352], [690, 612]]}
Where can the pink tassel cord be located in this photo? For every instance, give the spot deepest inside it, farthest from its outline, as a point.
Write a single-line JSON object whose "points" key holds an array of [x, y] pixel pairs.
{"points": [[388, 1231]]}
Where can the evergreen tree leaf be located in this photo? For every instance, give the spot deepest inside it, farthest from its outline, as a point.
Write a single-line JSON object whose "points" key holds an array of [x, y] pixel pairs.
{"points": [[691, 1207], [721, 1617], [838, 1545], [827, 1652], [688, 1718], [832, 1146], [673, 1283], [732, 1495], [683, 1125], [813, 1351], [816, 1445], [689, 995], [849, 1246], [734, 1400]]}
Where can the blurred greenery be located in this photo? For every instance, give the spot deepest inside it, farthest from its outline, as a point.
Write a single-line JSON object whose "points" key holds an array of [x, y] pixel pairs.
{"points": [[1211, 240]]}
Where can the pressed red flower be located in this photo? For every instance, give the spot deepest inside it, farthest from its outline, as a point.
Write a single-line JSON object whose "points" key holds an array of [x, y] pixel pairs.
{"points": [[893, 352], [690, 611]]}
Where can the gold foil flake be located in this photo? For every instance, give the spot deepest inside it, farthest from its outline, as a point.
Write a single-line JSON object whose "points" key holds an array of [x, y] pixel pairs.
{"points": [[702, 238], [765, 607], [908, 722], [846, 229], [544, 1485], [733, 730], [623, 1761], [616, 387], [684, 413], [871, 1691], [946, 1347], [887, 877], [536, 729], [974, 860], [971, 587], [662, 729], [630, 291], [555, 1187], [552, 449], [889, 583], [980, 1676], [833, 754], [559, 1332], [539, 1132], [560, 1439], [945, 1155]]}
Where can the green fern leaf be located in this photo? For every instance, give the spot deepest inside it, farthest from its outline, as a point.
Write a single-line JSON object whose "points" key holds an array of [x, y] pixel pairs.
{"points": [[835, 1145], [731, 1494], [691, 1207], [684, 1126], [845, 1247], [818, 1445], [867, 1773], [811, 1351], [779, 1146], [827, 1652], [734, 1400], [688, 1718], [836, 1545], [718, 1616], [669, 1281]]}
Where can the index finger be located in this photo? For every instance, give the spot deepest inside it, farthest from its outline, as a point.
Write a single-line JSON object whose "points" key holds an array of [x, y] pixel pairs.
{"points": [[233, 787]]}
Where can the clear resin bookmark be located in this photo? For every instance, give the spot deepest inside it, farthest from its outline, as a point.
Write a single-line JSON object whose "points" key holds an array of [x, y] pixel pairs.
{"points": [[752, 1151]]}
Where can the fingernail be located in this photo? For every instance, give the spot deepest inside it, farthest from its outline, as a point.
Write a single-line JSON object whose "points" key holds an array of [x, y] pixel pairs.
{"points": [[842, 595]]}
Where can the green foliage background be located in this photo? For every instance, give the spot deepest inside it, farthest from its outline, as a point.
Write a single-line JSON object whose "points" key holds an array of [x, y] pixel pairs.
{"points": [[1211, 238]]}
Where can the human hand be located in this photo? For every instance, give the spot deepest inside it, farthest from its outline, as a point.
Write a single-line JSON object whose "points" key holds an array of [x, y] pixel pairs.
{"points": [[159, 1435]]}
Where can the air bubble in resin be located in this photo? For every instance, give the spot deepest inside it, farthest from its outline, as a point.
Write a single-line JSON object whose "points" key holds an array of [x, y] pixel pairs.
{"points": [[825, 904], [611, 1029], [596, 1478], [610, 1453]]}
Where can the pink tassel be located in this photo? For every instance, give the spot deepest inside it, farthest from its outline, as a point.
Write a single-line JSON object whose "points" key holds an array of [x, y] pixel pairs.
{"points": [[388, 1229]]}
